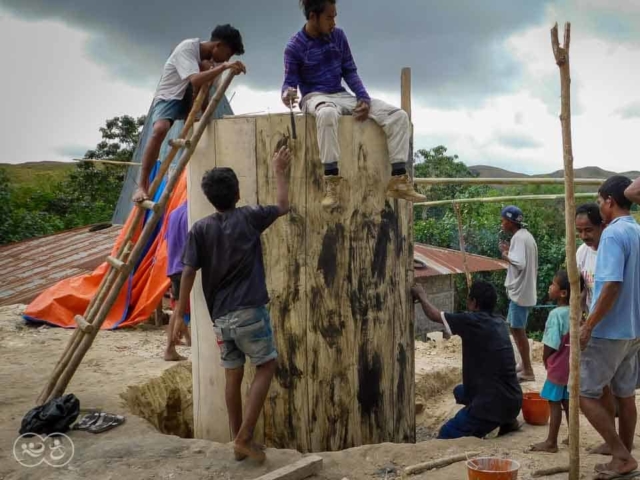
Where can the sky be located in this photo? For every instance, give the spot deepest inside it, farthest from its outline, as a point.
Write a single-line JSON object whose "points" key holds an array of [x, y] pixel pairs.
{"points": [[485, 83]]}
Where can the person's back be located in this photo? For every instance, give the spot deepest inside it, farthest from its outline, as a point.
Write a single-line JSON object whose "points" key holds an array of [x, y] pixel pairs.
{"points": [[521, 282], [226, 247], [490, 390], [233, 275], [488, 365]]}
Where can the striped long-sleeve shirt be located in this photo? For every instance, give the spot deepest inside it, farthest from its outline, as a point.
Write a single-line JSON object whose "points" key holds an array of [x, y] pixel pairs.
{"points": [[318, 65]]}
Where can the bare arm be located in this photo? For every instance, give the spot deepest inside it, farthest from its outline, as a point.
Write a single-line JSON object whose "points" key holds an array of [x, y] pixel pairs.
{"points": [[281, 161], [429, 310], [202, 78], [606, 300], [633, 191], [186, 285], [546, 353]]}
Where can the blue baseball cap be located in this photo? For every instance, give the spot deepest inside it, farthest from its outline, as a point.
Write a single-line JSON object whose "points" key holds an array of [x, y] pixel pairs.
{"points": [[513, 214]]}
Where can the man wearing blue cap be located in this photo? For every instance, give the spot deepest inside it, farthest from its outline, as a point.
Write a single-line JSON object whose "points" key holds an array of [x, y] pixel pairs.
{"points": [[521, 283]]}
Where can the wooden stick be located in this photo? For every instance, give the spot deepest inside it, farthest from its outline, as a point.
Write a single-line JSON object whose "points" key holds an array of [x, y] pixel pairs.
{"points": [[442, 462], [303, 468], [561, 55], [504, 181], [456, 208], [405, 90], [547, 472], [109, 162], [502, 199], [147, 232]]}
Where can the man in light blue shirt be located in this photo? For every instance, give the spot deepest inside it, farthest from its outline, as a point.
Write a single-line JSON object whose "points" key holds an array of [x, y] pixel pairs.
{"points": [[610, 338]]}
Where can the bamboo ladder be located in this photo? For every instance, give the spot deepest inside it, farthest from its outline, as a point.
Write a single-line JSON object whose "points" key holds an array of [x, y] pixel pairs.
{"points": [[130, 251]]}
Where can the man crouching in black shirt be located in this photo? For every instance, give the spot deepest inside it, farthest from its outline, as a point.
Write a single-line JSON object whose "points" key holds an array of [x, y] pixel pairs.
{"points": [[490, 390]]}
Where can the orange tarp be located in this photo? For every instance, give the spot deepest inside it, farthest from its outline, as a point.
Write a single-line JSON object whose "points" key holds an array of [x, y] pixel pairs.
{"points": [[140, 295]]}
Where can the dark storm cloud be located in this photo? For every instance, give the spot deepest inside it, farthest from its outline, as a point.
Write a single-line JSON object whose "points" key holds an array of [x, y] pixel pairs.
{"points": [[454, 48]]}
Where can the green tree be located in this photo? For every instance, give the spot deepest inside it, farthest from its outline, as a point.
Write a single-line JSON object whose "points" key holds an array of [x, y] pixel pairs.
{"points": [[90, 193]]}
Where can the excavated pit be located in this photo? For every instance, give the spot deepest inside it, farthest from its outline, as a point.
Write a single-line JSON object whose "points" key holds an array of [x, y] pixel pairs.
{"points": [[166, 402]]}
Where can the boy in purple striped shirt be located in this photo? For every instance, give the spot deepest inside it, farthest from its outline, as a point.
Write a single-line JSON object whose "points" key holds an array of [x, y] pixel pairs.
{"points": [[317, 59]]}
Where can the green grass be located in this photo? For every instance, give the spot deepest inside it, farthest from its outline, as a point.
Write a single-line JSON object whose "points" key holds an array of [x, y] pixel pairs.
{"points": [[37, 174]]}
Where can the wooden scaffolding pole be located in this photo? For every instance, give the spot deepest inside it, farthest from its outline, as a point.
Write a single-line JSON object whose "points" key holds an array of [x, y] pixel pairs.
{"points": [[130, 252], [463, 249], [457, 201], [561, 55], [505, 181]]}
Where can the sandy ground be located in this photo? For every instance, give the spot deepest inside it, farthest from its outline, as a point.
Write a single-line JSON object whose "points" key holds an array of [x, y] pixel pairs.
{"points": [[137, 451]]}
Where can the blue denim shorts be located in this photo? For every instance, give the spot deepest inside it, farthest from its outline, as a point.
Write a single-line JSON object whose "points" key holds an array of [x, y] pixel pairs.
{"points": [[171, 110], [518, 316], [245, 333]]}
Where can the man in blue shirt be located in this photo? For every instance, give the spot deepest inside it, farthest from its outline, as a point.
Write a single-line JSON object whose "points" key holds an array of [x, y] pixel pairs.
{"points": [[317, 59], [610, 337]]}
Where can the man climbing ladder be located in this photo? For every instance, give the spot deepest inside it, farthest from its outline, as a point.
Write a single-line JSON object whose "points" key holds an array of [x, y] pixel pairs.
{"points": [[317, 59], [190, 66]]}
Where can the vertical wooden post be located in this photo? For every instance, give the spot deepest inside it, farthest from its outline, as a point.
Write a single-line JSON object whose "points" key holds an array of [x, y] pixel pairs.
{"points": [[463, 248], [561, 55], [409, 350]]}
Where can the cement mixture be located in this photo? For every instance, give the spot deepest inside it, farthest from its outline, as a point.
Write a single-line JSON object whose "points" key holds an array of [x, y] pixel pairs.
{"points": [[123, 374]]}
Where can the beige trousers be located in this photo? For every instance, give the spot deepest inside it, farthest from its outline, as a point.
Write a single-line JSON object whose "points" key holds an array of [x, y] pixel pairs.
{"points": [[327, 109]]}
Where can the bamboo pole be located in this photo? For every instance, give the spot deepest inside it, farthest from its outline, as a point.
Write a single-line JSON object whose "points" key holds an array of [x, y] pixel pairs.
{"points": [[439, 463], [140, 244], [107, 161], [109, 279], [561, 55], [505, 181], [456, 208], [501, 199]]}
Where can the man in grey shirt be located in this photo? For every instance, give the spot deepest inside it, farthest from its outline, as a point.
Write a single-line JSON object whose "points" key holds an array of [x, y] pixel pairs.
{"points": [[521, 283]]}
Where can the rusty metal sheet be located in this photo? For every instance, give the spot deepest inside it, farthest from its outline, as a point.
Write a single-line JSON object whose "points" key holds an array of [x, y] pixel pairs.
{"points": [[432, 261], [31, 266]]}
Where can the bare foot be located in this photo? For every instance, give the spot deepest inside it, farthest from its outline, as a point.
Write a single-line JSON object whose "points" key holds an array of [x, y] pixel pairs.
{"points": [[140, 194], [544, 447], [526, 377], [240, 457], [251, 450], [173, 356], [600, 450], [618, 466], [565, 441]]}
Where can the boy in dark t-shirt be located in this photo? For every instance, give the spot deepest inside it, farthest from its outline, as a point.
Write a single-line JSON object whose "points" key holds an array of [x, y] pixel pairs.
{"points": [[226, 247], [490, 390]]}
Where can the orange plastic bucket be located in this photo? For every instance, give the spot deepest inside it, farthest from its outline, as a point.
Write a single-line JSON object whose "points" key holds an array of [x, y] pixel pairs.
{"points": [[535, 409], [491, 468]]}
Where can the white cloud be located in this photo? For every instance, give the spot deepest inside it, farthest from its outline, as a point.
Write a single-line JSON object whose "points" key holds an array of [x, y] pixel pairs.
{"points": [[55, 98]]}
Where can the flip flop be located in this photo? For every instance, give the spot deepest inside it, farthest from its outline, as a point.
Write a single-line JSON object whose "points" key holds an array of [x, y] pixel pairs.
{"points": [[106, 422], [611, 475], [87, 421]]}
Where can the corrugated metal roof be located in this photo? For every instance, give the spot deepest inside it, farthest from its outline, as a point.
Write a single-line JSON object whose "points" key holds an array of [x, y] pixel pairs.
{"points": [[443, 261], [31, 266]]}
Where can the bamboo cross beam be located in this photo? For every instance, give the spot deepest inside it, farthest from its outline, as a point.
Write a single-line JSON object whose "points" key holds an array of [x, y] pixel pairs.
{"points": [[505, 181], [561, 54], [107, 161], [457, 201]]}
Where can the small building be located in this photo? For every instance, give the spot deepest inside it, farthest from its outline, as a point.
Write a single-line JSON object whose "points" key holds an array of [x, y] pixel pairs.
{"points": [[435, 269]]}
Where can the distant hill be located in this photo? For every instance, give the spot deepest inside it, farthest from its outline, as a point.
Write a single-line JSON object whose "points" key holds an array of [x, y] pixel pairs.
{"points": [[37, 173], [485, 171]]}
